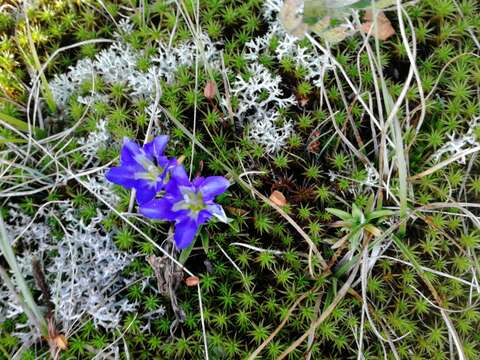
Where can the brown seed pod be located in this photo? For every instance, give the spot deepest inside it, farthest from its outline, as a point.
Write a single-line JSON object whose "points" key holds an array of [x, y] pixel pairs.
{"points": [[210, 90], [278, 198], [192, 281]]}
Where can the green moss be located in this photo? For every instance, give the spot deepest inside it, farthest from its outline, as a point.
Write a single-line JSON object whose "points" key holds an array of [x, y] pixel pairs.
{"points": [[242, 310]]}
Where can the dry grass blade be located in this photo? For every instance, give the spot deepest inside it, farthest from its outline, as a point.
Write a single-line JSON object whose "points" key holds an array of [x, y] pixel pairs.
{"points": [[451, 328], [325, 314], [444, 163], [280, 326], [25, 295]]}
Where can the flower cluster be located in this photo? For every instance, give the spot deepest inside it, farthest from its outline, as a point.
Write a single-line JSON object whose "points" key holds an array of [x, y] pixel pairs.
{"points": [[163, 190]]}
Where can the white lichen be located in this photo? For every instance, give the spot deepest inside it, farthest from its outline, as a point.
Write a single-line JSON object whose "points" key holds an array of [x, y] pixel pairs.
{"points": [[457, 145], [86, 274], [288, 46], [95, 139], [83, 268], [125, 26], [260, 96], [170, 58], [118, 64], [259, 99], [265, 130], [271, 8], [260, 91]]}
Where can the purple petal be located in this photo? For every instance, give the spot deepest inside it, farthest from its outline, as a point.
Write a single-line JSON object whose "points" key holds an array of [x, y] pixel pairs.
{"points": [[130, 150], [166, 163], [185, 232], [198, 181], [173, 191], [122, 175], [203, 217], [160, 209], [217, 211], [160, 184], [213, 186], [156, 147], [145, 191], [171, 163], [180, 175]]}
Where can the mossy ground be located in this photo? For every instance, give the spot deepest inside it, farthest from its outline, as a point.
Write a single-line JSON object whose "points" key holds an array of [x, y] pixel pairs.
{"points": [[242, 308]]}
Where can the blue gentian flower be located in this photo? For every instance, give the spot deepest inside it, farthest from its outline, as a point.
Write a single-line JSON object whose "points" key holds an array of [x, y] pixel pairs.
{"points": [[144, 169], [188, 204]]}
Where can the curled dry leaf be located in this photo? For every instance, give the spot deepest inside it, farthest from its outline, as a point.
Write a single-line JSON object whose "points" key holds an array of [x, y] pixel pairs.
{"points": [[236, 211], [192, 281], [321, 25], [382, 27], [278, 198], [60, 341]]}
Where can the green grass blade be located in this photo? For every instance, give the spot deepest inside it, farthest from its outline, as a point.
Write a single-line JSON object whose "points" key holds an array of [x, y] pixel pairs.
{"points": [[18, 124], [339, 213], [7, 251], [9, 141]]}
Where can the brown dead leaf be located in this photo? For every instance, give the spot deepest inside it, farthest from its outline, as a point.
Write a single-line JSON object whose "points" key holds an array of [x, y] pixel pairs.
{"points": [[56, 341], [61, 342], [236, 211], [382, 29], [278, 198], [302, 100], [192, 281]]}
